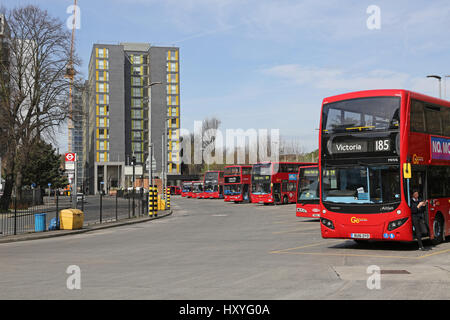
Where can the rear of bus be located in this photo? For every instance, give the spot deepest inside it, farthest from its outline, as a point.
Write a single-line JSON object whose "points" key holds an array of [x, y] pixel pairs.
{"points": [[308, 200]]}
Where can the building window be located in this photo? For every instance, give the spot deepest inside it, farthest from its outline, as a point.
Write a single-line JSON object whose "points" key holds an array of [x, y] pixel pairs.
{"points": [[103, 87], [171, 78], [136, 114], [137, 147], [136, 81], [137, 59], [137, 71], [172, 89], [103, 99], [136, 92], [136, 124], [103, 110], [103, 53], [136, 103], [171, 55], [137, 135], [171, 66], [103, 75], [103, 64], [103, 145]]}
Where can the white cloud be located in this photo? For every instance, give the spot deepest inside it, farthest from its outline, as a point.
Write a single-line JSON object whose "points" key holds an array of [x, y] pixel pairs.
{"points": [[332, 79]]}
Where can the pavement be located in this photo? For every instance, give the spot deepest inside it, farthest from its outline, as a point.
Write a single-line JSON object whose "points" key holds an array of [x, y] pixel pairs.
{"points": [[209, 249], [88, 227]]}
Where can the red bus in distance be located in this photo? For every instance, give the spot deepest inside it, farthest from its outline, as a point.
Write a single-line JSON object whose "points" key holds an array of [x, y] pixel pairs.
{"points": [[186, 187], [197, 189], [237, 182], [213, 185], [275, 182], [376, 147], [308, 200], [175, 190]]}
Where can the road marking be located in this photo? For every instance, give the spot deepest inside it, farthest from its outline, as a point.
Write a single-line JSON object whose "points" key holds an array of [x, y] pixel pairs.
{"points": [[302, 247], [433, 254], [350, 255], [290, 251], [296, 230]]}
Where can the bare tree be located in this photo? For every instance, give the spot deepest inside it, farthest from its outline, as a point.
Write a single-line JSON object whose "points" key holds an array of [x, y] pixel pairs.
{"points": [[34, 99]]}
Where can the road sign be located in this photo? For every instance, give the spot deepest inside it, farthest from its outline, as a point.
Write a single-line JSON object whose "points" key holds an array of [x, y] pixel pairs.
{"points": [[71, 157], [70, 166]]}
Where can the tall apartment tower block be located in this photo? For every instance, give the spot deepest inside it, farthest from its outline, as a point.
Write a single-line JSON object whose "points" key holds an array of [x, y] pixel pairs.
{"points": [[120, 97]]}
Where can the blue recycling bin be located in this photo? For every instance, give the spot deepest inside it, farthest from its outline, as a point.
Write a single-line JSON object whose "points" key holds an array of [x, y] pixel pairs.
{"points": [[40, 222]]}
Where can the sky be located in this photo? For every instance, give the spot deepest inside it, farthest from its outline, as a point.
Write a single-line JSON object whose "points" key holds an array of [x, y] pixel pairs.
{"points": [[258, 64]]}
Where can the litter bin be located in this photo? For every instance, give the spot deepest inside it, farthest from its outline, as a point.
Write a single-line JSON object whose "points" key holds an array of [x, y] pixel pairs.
{"points": [[40, 222], [71, 219]]}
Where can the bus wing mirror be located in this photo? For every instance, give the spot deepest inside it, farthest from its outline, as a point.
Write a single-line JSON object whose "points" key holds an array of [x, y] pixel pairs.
{"points": [[407, 171]]}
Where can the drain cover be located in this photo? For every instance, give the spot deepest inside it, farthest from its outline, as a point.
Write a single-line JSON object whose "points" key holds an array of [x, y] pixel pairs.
{"points": [[395, 272]]}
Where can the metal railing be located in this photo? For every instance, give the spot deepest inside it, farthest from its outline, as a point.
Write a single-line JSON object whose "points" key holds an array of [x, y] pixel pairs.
{"points": [[20, 218]]}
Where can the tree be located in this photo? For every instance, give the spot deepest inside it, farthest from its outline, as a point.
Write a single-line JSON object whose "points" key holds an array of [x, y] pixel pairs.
{"points": [[44, 167], [34, 99]]}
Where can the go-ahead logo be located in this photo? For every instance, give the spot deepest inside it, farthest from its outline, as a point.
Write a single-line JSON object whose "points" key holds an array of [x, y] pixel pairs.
{"points": [[357, 220]]}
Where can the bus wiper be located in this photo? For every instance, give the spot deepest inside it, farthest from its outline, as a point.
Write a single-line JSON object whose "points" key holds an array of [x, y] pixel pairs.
{"points": [[360, 128]]}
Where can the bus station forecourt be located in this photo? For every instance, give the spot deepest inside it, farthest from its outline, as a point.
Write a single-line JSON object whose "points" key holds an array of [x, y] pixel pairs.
{"points": [[338, 228], [375, 148]]}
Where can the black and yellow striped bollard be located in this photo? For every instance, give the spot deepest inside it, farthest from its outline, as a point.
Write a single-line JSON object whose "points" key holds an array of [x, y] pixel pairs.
{"points": [[168, 199], [152, 204]]}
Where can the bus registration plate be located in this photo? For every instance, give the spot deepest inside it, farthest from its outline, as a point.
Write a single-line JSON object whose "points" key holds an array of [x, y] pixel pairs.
{"points": [[360, 236]]}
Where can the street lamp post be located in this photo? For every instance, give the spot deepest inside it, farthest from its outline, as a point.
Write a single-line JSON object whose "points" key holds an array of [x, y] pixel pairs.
{"points": [[150, 144], [445, 86], [439, 78], [134, 165]]}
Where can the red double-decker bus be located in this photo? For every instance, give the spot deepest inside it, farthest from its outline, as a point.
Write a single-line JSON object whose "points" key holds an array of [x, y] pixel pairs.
{"points": [[376, 147], [186, 187], [197, 189], [237, 182], [275, 182], [308, 200], [175, 190], [213, 185]]}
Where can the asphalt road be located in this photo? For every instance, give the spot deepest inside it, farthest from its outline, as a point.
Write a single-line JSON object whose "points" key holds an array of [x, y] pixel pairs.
{"points": [[209, 249]]}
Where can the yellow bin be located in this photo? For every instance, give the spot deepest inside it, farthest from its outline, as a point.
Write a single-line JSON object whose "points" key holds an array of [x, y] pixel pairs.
{"points": [[71, 219], [161, 204]]}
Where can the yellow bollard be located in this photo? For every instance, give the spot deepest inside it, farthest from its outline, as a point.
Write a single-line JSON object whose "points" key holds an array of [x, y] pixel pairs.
{"points": [[168, 199]]}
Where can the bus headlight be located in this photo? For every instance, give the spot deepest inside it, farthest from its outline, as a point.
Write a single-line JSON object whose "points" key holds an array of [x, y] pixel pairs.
{"points": [[327, 223], [396, 224]]}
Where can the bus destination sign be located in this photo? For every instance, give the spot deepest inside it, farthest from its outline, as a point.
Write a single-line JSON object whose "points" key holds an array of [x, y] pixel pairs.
{"points": [[349, 147], [377, 145]]}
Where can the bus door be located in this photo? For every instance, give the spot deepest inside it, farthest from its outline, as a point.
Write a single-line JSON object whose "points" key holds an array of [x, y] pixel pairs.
{"points": [[245, 192], [276, 192], [419, 182]]}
